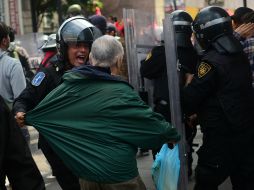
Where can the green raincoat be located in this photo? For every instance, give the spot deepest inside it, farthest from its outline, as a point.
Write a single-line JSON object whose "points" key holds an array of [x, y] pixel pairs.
{"points": [[95, 122]]}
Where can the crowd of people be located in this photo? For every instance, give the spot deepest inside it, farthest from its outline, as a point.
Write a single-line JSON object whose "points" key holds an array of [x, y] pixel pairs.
{"points": [[91, 121]]}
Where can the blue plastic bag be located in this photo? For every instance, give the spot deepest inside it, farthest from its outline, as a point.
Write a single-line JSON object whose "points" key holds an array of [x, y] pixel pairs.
{"points": [[166, 168]]}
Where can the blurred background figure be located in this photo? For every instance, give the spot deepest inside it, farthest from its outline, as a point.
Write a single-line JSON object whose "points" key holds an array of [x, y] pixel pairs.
{"points": [[111, 30], [111, 19], [20, 53], [12, 78], [74, 10], [120, 27], [100, 22], [245, 33], [238, 15], [50, 51]]}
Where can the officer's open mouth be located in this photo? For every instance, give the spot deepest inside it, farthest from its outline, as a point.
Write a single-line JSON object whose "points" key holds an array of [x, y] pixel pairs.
{"points": [[81, 58]]}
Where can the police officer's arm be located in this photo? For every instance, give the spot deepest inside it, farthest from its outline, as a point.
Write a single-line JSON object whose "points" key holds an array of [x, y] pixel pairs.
{"points": [[189, 60], [154, 64], [31, 96], [201, 87]]}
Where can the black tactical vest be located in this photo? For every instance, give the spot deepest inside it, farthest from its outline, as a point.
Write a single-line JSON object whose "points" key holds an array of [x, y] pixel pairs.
{"points": [[234, 91]]}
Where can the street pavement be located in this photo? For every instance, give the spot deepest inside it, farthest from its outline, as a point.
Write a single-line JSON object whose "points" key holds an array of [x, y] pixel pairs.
{"points": [[144, 165]]}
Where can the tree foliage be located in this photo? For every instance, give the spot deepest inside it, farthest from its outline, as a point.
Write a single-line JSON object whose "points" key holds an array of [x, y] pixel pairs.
{"points": [[42, 7]]}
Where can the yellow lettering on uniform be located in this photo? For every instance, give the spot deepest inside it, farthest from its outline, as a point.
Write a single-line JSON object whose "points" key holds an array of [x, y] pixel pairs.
{"points": [[203, 69], [149, 56]]}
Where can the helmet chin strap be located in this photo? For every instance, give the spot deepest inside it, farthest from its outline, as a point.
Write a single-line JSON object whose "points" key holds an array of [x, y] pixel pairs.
{"points": [[227, 45]]}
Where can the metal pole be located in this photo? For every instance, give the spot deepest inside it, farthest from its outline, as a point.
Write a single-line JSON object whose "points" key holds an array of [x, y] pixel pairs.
{"points": [[245, 3], [175, 7], [59, 11], [34, 21], [174, 96], [34, 16]]}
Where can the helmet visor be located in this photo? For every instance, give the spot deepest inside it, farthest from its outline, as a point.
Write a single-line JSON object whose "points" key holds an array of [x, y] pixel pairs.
{"points": [[76, 31]]}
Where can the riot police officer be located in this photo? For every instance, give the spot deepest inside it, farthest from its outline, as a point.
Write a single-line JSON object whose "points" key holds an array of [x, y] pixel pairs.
{"points": [[74, 39], [154, 68], [221, 94]]}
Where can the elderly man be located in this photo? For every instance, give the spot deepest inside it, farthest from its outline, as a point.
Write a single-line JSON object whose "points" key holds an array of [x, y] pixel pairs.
{"points": [[103, 122]]}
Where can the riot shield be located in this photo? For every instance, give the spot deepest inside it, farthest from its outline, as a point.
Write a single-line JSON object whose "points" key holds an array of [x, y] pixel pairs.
{"points": [[140, 37], [174, 96], [32, 43]]}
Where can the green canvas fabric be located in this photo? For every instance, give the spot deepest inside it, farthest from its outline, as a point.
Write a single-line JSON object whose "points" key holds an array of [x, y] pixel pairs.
{"points": [[96, 125]]}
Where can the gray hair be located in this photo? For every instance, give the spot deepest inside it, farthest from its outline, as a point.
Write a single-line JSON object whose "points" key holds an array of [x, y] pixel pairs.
{"points": [[106, 51]]}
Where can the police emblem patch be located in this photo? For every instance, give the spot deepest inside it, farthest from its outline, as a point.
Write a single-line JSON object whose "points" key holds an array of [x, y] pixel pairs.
{"points": [[148, 56], [203, 69], [38, 79]]}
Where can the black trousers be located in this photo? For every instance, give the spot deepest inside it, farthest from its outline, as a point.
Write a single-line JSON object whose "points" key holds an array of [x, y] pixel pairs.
{"points": [[225, 154], [66, 179], [16, 161]]}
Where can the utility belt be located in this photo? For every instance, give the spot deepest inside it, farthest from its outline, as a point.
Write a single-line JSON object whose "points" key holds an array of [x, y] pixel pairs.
{"points": [[162, 107]]}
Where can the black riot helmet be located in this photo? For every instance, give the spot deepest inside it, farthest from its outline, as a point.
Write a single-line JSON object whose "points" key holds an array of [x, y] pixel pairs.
{"points": [[50, 44], [213, 27], [182, 24], [75, 30]]}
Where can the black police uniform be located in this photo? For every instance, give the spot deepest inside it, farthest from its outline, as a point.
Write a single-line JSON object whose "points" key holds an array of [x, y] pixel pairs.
{"points": [[16, 161], [154, 68], [221, 94], [44, 82]]}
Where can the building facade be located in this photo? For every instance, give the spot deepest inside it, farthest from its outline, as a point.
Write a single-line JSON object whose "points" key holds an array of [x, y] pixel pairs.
{"points": [[11, 12], [17, 13]]}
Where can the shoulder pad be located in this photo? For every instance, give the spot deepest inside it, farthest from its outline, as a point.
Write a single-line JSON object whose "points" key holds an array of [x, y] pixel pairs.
{"points": [[203, 69], [38, 78], [149, 55], [156, 51], [227, 45]]}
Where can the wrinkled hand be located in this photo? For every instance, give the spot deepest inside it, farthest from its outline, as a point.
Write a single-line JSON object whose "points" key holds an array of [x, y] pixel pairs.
{"points": [[20, 118], [171, 145], [245, 30], [188, 78]]}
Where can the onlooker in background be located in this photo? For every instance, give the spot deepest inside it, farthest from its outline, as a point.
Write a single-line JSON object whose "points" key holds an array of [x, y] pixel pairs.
{"points": [[50, 51], [18, 52], [74, 10], [99, 21], [12, 79], [245, 33], [16, 161], [238, 15], [111, 19], [120, 27], [111, 30]]}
